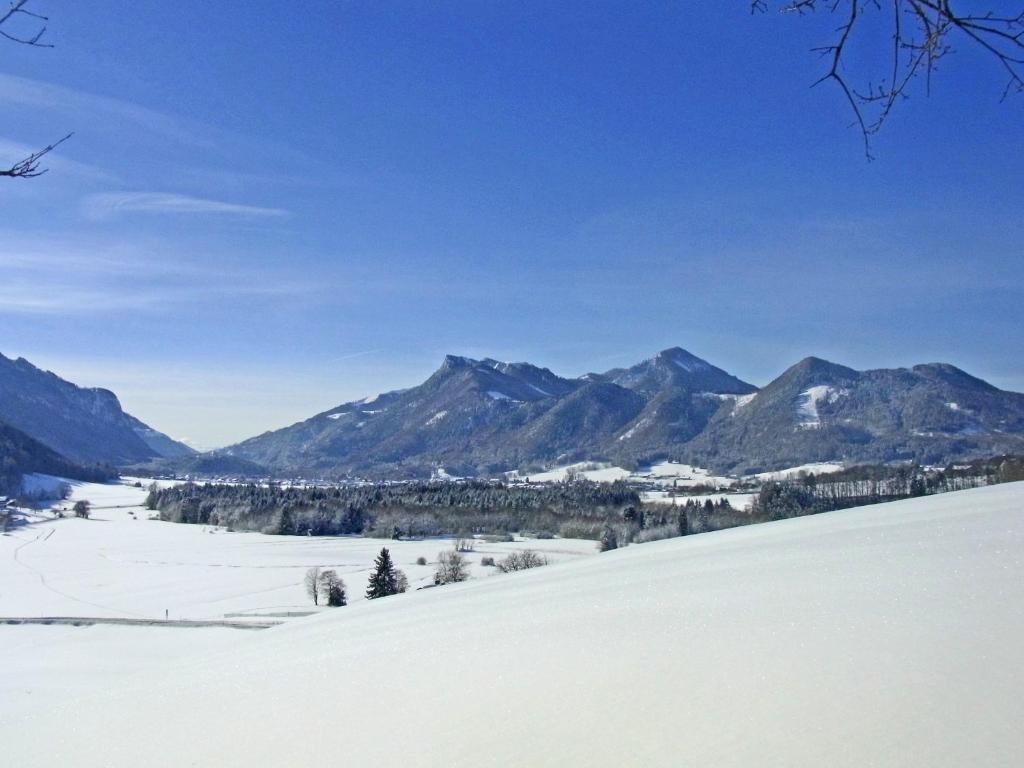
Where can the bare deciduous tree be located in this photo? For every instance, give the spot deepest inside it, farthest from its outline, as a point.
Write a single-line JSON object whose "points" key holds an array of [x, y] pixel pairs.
{"points": [[922, 33], [312, 583], [27, 167], [332, 588], [451, 568]]}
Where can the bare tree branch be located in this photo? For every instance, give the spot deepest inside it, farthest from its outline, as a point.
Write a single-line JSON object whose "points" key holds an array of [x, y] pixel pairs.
{"points": [[922, 33], [29, 167], [16, 10]]}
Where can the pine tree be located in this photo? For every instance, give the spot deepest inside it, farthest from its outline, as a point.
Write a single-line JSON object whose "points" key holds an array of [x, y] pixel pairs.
{"points": [[384, 579]]}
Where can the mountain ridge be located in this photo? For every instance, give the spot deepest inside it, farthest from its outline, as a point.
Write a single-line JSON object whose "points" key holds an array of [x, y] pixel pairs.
{"points": [[84, 424], [483, 417]]}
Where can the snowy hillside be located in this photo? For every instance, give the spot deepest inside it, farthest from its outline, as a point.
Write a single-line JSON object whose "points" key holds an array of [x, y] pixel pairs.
{"points": [[887, 635]]}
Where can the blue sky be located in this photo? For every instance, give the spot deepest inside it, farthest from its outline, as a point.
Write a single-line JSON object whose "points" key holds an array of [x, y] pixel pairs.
{"points": [[263, 214]]}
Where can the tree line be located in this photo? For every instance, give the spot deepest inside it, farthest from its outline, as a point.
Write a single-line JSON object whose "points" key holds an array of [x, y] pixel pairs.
{"points": [[408, 510]]}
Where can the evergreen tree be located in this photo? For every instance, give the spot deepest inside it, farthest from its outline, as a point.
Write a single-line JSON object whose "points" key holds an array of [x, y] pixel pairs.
{"points": [[384, 579], [704, 515]]}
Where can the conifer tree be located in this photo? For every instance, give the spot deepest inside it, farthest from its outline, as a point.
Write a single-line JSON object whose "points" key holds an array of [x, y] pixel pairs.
{"points": [[385, 578]]}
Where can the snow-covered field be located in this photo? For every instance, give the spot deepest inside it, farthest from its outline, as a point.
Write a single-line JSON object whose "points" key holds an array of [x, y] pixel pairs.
{"points": [[662, 473], [886, 636], [737, 500], [818, 468], [121, 564]]}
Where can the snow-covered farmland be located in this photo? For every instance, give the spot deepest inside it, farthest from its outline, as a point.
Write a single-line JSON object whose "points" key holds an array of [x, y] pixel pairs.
{"points": [[120, 564], [662, 473], [886, 635], [736, 500]]}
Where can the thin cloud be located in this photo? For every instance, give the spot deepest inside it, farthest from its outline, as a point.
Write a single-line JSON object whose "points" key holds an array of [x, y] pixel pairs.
{"points": [[38, 94], [110, 204], [353, 355]]}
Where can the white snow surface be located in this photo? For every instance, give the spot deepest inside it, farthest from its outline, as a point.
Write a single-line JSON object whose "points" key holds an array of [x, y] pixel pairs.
{"points": [[495, 395], [42, 486], [880, 636], [809, 401], [596, 472], [741, 401], [662, 473], [817, 468], [736, 500], [121, 564]]}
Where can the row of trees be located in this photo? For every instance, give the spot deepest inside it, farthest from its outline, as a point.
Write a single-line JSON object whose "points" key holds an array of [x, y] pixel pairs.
{"points": [[410, 510], [325, 587], [874, 484]]}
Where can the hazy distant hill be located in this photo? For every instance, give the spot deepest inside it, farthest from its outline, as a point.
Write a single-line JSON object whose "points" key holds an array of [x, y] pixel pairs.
{"points": [[21, 455], [85, 425]]}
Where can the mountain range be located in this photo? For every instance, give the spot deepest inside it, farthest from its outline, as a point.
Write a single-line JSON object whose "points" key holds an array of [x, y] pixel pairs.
{"points": [[482, 417]]}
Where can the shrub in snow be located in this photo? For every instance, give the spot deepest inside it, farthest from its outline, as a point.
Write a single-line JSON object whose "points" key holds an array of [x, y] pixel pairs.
{"points": [[580, 529], [465, 543], [520, 561], [544, 535], [451, 567], [421, 561], [81, 508], [489, 561], [609, 540], [657, 533]]}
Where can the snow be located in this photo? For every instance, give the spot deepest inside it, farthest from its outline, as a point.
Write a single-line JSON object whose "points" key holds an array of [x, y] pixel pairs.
{"points": [[628, 434], [436, 418], [886, 635], [681, 475], [953, 406], [662, 473], [537, 389], [736, 500], [817, 468], [120, 564], [598, 473], [742, 401], [495, 395], [810, 400], [692, 365], [37, 485], [336, 415]]}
